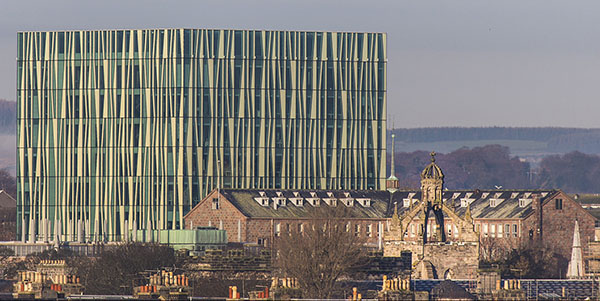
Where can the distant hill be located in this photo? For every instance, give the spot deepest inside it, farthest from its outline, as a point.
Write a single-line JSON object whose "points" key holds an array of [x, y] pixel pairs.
{"points": [[8, 132], [529, 143], [8, 117]]}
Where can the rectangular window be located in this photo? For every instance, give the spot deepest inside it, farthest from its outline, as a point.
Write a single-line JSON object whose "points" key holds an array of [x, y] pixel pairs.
{"points": [[515, 230], [558, 204], [507, 229], [277, 229], [493, 230], [369, 230], [485, 229], [357, 230], [499, 230], [215, 203], [300, 228], [412, 230]]}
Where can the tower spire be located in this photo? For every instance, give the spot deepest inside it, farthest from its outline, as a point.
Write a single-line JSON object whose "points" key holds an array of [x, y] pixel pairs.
{"points": [[392, 182], [393, 167]]}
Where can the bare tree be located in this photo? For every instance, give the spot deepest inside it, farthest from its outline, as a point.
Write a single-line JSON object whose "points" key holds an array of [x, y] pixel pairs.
{"points": [[325, 250], [116, 269]]}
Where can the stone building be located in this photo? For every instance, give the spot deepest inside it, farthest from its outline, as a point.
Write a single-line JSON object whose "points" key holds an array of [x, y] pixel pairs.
{"points": [[448, 231], [434, 255], [260, 215], [8, 217], [444, 223]]}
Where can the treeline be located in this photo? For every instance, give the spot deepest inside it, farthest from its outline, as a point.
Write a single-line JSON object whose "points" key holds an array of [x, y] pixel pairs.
{"points": [[8, 115], [489, 133], [491, 166]]}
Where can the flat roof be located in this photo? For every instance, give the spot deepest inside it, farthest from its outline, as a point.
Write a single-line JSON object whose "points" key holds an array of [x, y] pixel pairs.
{"points": [[214, 29]]}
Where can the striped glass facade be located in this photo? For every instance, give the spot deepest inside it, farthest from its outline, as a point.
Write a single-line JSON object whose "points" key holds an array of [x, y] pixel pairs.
{"points": [[119, 126]]}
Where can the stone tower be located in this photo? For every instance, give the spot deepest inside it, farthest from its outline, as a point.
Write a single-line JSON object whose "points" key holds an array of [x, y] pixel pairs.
{"points": [[432, 186]]}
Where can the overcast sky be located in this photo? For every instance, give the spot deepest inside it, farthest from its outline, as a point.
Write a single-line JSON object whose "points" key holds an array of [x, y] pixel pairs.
{"points": [[450, 63]]}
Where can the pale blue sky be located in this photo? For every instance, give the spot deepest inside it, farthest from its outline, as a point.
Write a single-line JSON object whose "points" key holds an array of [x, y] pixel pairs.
{"points": [[451, 63]]}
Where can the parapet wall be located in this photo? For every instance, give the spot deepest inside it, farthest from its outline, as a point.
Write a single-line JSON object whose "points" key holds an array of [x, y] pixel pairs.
{"points": [[453, 260]]}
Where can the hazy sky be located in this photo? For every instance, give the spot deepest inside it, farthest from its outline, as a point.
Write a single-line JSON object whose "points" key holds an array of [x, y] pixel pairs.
{"points": [[450, 63]]}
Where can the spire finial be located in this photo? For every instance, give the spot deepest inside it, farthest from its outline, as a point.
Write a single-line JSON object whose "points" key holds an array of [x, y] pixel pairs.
{"points": [[432, 154], [393, 167]]}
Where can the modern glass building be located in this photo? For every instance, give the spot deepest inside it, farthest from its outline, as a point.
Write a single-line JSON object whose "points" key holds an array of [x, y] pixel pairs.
{"points": [[131, 128]]}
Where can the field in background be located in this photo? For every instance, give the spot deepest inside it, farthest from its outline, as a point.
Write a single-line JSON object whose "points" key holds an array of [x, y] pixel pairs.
{"points": [[529, 144]]}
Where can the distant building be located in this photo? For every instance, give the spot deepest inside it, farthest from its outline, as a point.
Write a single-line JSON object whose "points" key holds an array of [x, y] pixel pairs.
{"points": [[123, 126], [259, 216]]}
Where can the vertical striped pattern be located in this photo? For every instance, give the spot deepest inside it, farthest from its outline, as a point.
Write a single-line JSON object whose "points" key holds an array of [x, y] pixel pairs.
{"points": [[141, 124]]}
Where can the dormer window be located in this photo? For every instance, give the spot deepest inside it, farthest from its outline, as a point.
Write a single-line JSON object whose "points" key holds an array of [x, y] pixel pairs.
{"points": [[315, 202], [464, 202], [524, 202], [297, 201], [262, 200], [279, 201], [349, 202], [364, 202], [495, 202]]}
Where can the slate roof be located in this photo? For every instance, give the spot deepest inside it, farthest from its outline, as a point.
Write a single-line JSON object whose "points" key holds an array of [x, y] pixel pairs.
{"points": [[7, 201], [245, 200], [448, 289], [510, 203]]}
